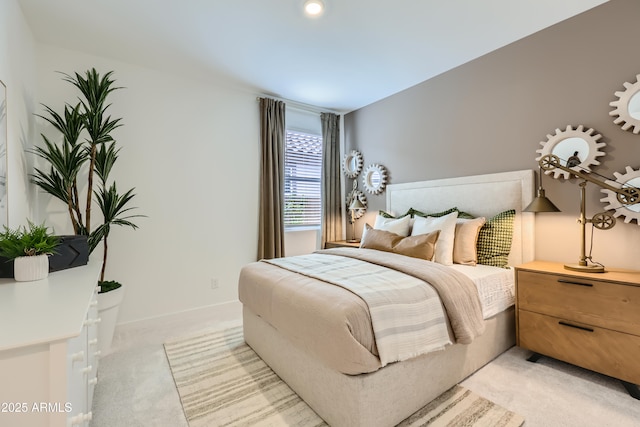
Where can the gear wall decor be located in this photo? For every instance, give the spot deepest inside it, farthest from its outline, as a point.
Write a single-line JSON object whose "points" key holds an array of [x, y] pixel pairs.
{"points": [[374, 178], [577, 148], [352, 164], [627, 107], [621, 203]]}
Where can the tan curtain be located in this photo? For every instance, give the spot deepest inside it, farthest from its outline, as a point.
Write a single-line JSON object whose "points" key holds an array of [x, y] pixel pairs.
{"points": [[331, 194], [271, 219]]}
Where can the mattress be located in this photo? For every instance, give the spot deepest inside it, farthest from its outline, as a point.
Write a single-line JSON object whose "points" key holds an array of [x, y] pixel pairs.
{"points": [[330, 322]]}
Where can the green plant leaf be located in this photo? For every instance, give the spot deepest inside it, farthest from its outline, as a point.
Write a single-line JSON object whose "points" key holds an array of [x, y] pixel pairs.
{"points": [[106, 157], [31, 241], [66, 160], [70, 125], [108, 286]]}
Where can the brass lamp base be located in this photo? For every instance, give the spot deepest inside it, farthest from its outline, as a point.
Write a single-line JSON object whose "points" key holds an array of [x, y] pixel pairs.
{"points": [[585, 268], [353, 241]]}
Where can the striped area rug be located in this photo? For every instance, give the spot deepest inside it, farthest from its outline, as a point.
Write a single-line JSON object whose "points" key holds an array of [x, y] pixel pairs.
{"points": [[222, 382]]}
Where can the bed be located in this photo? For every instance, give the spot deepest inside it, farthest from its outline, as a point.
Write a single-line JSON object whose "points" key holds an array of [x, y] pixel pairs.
{"points": [[352, 387]]}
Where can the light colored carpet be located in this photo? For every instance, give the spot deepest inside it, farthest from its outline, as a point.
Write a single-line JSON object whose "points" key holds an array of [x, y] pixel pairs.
{"points": [[136, 389], [222, 382]]}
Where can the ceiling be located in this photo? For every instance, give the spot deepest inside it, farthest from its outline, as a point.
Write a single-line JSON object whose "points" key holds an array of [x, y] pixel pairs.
{"points": [[358, 52]]}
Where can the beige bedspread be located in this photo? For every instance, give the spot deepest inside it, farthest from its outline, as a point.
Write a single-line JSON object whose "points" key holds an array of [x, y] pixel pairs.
{"points": [[333, 323], [406, 313]]}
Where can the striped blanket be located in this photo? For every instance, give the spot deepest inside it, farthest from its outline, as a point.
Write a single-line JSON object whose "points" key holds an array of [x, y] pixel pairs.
{"points": [[406, 313]]}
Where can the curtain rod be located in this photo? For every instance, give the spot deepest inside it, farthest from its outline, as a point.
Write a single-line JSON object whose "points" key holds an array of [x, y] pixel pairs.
{"points": [[299, 105]]}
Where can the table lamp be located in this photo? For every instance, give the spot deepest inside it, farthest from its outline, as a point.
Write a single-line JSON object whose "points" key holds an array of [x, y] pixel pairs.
{"points": [[355, 205]]}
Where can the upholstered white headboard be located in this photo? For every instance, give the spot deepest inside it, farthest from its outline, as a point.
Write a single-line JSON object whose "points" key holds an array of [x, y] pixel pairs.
{"points": [[479, 195]]}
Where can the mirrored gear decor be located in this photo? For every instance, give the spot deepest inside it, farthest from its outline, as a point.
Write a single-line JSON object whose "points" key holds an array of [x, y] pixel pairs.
{"points": [[626, 204], [577, 149], [352, 164], [627, 107], [374, 178]]}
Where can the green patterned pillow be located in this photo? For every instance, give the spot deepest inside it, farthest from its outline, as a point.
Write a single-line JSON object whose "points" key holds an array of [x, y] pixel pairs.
{"points": [[494, 239], [385, 214], [465, 215], [415, 212]]}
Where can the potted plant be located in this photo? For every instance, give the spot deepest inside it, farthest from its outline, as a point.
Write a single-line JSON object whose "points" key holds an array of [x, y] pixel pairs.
{"points": [[29, 248], [87, 150]]}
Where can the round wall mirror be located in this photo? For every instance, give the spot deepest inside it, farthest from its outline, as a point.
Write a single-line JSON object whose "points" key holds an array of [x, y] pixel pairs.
{"points": [[352, 164], [627, 108], [576, 148], [631, 180], [375, 178]]}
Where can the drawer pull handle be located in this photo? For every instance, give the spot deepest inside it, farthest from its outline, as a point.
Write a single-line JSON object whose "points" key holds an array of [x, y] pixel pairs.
{"points": [[569, 282], [77, 357], [582, 328]]}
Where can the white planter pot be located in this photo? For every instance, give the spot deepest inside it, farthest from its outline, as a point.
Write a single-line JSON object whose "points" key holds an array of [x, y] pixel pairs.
{"points": [[30, 268], [108, 305]]}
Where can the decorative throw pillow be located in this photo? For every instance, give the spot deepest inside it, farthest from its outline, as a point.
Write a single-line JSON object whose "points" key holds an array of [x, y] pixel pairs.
{"points": [[464, 215], [447, 226], [389, 215], [494, 239], [415, 212], [395, 225], [466, 239], [422, 246]]}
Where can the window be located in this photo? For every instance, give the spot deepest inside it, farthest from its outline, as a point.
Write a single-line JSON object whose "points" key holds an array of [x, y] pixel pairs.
{"points": [[302, 171]]}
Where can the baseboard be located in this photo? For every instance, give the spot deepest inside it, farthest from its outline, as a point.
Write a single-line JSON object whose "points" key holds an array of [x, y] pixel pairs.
{"points": [[228, 311]]}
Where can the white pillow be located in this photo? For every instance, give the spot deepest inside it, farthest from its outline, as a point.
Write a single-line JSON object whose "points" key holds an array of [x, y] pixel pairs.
{"points": [[399, 226], [447, 226]]}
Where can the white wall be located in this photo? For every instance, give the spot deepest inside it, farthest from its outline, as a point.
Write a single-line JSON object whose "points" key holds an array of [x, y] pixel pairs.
{"points": [[17, 72], [191, 150]]}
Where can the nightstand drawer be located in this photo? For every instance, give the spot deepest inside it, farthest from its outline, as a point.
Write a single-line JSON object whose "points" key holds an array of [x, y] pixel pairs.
{"points": [[604, 304], [608, 352]]}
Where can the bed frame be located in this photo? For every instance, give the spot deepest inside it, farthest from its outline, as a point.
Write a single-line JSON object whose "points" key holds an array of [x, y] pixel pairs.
{"points": [[389, 395]]}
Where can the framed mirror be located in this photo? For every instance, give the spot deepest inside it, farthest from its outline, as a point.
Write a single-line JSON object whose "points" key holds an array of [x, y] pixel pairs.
{"points": [[374, 178], [3, 155], [576, 148], [627, 108], [630, 212], [352, 164]]}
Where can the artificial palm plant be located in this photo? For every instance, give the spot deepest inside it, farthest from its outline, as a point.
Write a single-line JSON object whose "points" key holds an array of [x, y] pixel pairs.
{"points": [[86, 150]]}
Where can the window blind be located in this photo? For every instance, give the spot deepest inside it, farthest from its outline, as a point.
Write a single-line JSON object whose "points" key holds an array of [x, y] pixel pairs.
{"points": [[302, 171]]}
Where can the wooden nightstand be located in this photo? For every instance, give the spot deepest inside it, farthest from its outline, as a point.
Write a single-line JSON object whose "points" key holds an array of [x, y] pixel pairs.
{"points": [[341, 244], [591, 320]]}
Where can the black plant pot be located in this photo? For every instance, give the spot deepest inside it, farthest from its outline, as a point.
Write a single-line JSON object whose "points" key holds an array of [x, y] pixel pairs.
{"points": [[6, 268], [73, 251]]}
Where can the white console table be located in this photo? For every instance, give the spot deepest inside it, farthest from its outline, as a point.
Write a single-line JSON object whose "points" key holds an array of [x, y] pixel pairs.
{"points": [[49, 348]]}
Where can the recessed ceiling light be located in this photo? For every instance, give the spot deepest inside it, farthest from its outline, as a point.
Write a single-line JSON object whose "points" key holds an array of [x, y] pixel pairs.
{"points": [[313, 8]]}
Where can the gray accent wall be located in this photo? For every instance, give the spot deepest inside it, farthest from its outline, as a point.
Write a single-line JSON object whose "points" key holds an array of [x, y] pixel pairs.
{"points": [[490, 115]]}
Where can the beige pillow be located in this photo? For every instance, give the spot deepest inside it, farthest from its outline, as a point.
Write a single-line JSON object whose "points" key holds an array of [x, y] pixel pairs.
{"points": [[422, 246], [466, 238]]}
